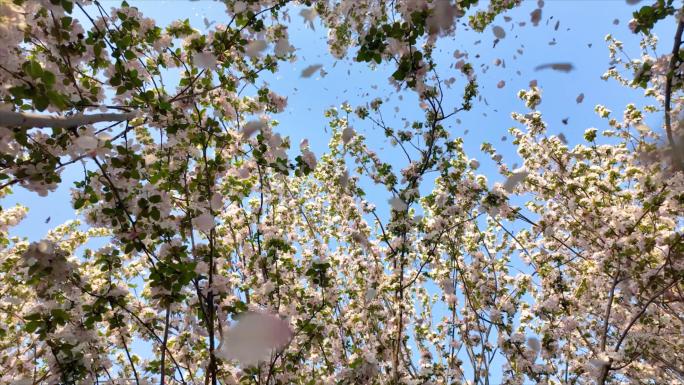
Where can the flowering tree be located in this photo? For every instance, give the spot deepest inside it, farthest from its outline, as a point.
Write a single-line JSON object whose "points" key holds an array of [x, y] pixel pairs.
{"points": [[230, 262]]}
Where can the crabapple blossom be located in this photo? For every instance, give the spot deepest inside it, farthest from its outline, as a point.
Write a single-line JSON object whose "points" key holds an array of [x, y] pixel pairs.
{"points": [[204, 252]]}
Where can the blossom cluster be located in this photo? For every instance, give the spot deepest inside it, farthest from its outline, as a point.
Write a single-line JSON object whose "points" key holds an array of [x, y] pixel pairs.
{"points": [[232, 262]]}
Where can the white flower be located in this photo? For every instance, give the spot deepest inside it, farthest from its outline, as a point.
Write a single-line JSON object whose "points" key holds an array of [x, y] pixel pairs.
{"points": [[309, 158], [344, 179], [252, 127], [516, 177], [517, 337], [150, 159], [283, 47], [86, 143], [633, 24], [46, 247], [279, 102], [202, 268], [216, 201], [255, 336], [205, 60], [255, 47], [239, 7], [371, 293], [204, 222], [442, 17], [642, 128], [534, 344], [596, 365], [495, 315], [347, 134], [398, 204], [243, 172]]}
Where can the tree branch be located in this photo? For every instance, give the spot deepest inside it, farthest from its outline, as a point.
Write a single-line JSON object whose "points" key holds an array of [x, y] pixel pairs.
{"points": [[31, 120], [668, 95]]}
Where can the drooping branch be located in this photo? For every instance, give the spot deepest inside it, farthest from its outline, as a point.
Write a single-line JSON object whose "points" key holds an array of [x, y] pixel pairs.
{"points": [[31, 120]]}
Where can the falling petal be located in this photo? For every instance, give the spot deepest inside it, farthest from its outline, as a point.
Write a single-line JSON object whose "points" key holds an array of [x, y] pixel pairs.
{"points": [[309, 15], [310, 70], [283, 47], [562, 67], [255, 336], [535, 16], [498, 32]]}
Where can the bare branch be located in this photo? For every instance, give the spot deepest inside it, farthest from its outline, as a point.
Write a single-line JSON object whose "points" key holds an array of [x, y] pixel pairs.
{"points": [[30, 120]]}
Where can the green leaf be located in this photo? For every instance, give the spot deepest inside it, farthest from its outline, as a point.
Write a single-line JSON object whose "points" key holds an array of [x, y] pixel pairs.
{"points": [[155, 214], [31, 327], [33, 69], [57, 100], [48, 78], [19, 92], [68, 6], [41, 102], [80, 202]]}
